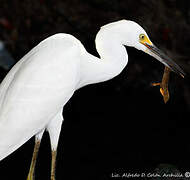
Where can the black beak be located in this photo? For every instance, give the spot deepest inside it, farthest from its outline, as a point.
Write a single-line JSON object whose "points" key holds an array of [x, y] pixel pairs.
{"points": [[163, 58]]}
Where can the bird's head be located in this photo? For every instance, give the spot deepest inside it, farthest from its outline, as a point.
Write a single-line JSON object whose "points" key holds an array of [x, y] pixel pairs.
{"points": [[135, 36]]}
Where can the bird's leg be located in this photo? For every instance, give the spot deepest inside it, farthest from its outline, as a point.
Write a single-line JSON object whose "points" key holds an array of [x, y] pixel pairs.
{"points": [[54, 129], [164, 84], [33, 163], [53, 163], [38, 138]]}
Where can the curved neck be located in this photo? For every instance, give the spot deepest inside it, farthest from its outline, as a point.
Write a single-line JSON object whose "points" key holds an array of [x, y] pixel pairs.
{"points": [[113, 59]]}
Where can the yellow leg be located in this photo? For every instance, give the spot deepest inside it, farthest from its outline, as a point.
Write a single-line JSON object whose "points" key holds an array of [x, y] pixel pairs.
{"points": [[33, 162], [53, 164]]}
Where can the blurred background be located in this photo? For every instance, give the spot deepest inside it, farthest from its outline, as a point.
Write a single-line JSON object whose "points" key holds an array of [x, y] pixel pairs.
{"points": [[120, 126]]}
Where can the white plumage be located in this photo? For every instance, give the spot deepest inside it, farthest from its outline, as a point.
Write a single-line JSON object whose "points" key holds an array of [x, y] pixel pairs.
{"points": [[36, 89]]}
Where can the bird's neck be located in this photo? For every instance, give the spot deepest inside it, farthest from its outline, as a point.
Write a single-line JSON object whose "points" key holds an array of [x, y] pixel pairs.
{"points": [[113, 59]]}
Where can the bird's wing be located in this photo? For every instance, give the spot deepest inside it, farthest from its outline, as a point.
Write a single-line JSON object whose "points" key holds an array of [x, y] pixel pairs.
{"points": [[36, 89], [9, 77]]}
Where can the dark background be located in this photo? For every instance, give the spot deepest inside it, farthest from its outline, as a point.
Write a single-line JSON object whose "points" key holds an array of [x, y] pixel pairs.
{"points": [[119, 126]]}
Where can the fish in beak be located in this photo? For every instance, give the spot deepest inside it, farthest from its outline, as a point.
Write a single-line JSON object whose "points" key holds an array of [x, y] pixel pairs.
{"points": [[160, 56]]}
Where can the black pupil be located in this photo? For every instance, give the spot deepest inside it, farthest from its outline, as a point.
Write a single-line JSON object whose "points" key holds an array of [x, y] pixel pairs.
{"points": [[142, 36]]}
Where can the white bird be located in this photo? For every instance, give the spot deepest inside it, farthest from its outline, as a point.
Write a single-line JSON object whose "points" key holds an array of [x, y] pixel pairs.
{"points": [[34, 92]]}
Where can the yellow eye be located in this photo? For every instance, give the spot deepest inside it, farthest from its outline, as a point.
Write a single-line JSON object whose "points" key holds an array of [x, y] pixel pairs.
{"points": [[141, 37]]}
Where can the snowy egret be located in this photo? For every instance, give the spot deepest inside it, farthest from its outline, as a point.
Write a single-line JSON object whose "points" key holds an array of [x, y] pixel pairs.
{"points": [[34, 92]]}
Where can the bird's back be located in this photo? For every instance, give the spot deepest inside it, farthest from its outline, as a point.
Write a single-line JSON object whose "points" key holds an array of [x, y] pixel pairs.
{"points": [[36, 88]]}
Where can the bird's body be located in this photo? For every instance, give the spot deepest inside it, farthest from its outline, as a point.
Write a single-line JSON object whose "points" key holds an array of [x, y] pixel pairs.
{"points": [[32, 93], [36, 89], [39, 85]]}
